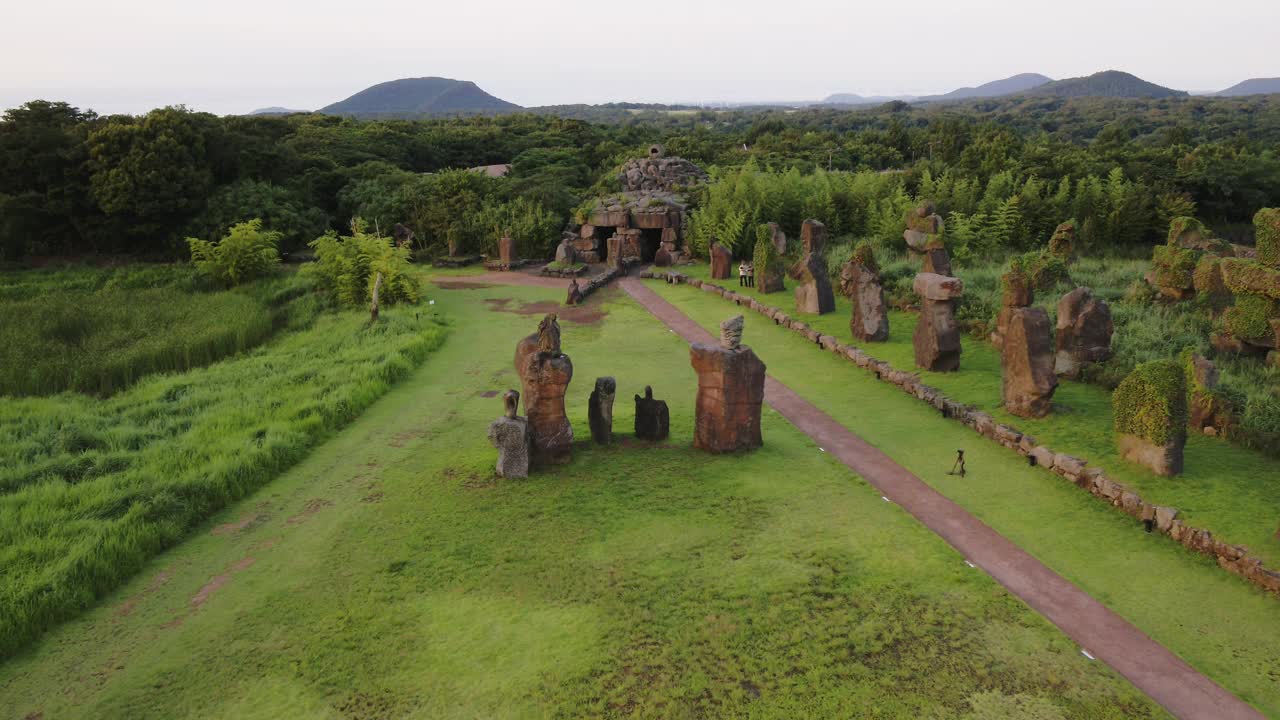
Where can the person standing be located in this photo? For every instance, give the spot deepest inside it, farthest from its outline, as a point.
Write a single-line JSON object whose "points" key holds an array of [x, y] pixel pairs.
{"points": [[742, 274], [751, 275]]}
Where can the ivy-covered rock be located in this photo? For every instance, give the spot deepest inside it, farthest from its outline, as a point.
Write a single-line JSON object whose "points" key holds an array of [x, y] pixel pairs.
{"points": [[1266, 224], [1044, 269], [1185, 231], [1062, 244], [1250, 319], [1250, 277], [770, 272], [1150, 409], [1207, 277], [1016, 286]]}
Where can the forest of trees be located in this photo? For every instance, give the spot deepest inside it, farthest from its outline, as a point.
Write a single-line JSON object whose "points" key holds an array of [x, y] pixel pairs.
{"points": [[1003, 171]]}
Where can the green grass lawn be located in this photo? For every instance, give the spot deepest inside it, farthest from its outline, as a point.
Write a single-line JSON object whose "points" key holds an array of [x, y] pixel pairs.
{"points": [[1232, 491], [390, 575], [1226, 628]]}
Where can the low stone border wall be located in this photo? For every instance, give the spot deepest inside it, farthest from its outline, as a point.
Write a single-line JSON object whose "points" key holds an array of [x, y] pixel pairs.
{"points": [[455, 262], [577, 272], [1233, 558], [500, 266], [600, 281]]}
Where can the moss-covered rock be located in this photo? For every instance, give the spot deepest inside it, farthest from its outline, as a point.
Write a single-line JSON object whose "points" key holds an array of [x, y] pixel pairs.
{"points": [[1044, 269], [1207, 277], [1250, 319], [1016, 287], [1185, 230], [1266, 224], [1151, 403], [1174, 267], [1063, 242], [1250, 277], [865, 255]]}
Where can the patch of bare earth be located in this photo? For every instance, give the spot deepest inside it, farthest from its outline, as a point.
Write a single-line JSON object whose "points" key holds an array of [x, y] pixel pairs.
{"points": [[313, 506], [586, 314], [211, 587], [404, 438], [128, 606], [244, 523]]}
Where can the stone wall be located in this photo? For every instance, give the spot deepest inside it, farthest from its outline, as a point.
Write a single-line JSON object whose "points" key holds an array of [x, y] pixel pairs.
{"points": [[1158, 518]]}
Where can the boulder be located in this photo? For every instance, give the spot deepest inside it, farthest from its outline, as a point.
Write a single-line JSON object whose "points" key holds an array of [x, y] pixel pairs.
{"points": [[721, 262], [545, 373], [924, 226], [936, 339], [600, 410], [813, 289], [730, 392], [1016, 292], [662, 258], [653, 420], [1162, 459], [1083, 332], [1027, 363], [510, 435], [574, 294], [1150, 412]]}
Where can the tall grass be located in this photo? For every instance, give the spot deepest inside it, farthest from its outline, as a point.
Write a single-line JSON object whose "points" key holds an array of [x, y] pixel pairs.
{"points": [[91, 332], [91, 488]]}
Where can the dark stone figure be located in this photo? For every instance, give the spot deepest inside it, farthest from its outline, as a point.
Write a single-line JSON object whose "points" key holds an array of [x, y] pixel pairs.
{"points": [[574, 296], [600, 410], [730, 392], [937, 336], [813, 293], [721, 260], [653, 420]]}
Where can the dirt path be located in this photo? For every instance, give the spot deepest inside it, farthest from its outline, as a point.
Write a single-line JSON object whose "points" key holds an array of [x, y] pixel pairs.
{"points": [[1105, 635]]}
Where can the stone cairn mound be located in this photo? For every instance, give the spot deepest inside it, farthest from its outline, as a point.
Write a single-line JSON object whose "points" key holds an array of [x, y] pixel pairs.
{"points": [[545, 373], [659, 172], [1083, 332], [653, 419], [860, 282], [813, 293], [510, 435], [1150, 409], [924, 229], [1026, 350], [730, 392], [936, 339], [600, 410]]}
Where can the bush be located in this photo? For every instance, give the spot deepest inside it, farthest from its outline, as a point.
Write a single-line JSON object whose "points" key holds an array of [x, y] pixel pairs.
{"points": [[246, 252], [1266, 224], [1151, 402], [347, 266]]}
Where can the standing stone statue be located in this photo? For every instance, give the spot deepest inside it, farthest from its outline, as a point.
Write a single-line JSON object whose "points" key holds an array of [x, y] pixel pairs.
{"points": [[778, 238], [770, 272], [937, 336], [721, 260], [510, 434], [653, 420], [936, 260], [600, 410], [1084, 331], [506, 251], [924, 227], [566, 254], [545, 373], [1026, 363], [860, 282], [574, 295], [813, 293], [403, 236], [730, 392], [1016, 292]]}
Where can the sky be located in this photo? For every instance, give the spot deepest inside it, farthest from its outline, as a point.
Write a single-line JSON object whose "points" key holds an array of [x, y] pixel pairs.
{"points": [[232, 56]]}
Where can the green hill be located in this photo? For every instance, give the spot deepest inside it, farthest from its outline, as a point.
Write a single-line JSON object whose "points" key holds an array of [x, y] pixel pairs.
{"points": [[420, 97], [1252, 86], [1109, 83]]}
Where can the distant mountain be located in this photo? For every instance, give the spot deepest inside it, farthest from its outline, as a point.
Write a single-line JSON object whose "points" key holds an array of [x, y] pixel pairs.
{"points": [[1109, 83], [419, 97], [1253, 86], [852, 99], [995, 88], [277, 111]]}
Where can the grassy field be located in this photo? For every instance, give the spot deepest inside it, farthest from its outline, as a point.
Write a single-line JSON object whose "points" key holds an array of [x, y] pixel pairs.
{"points": [[1150, 580], [389, 575], [101, 330], [1233, 491], [92, 488]]}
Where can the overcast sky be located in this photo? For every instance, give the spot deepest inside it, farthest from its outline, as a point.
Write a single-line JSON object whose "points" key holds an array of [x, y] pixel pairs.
{"points": [[233, 56]]}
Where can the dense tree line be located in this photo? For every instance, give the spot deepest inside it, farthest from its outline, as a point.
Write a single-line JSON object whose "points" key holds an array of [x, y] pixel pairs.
{"points": [[1003, 170]]}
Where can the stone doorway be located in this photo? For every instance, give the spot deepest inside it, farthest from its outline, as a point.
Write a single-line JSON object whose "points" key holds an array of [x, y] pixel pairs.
{"points": [[650, 241]]}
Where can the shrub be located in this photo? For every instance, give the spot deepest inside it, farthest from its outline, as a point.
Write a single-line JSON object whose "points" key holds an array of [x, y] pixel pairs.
{"points": [[1266, 225], [246, 252], [1151, 402], [347, 266]]}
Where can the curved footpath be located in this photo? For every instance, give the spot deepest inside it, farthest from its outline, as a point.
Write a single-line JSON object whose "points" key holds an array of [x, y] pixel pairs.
{"points": [[1147, 664]]}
